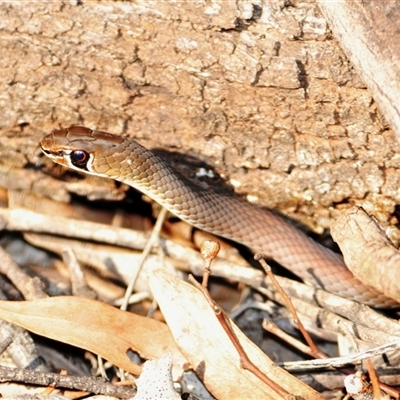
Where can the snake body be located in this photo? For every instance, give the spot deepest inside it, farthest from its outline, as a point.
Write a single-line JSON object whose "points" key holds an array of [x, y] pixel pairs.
{"points": [[125, 160]]}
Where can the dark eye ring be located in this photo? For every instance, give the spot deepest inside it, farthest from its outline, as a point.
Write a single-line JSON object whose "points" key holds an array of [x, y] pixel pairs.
{"points": [[79, 158]]}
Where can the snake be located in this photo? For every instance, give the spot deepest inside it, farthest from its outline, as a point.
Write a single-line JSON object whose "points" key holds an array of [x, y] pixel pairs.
{"points": [[262, 231]]}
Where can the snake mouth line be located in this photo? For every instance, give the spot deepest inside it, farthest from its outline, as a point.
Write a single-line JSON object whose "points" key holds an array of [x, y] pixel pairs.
{"points": [[53, 153]]}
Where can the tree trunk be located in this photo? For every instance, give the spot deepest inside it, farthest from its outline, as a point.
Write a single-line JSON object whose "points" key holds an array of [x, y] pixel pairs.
{"points": [[261, 92]]}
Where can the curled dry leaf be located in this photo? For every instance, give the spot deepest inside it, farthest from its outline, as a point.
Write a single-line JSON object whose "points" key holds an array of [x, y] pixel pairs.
{"points": [[367, 251], [97, 327], [205, 344]]}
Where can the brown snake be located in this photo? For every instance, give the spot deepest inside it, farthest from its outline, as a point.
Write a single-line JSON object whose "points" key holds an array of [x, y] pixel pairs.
{"points": [[125, 160]]}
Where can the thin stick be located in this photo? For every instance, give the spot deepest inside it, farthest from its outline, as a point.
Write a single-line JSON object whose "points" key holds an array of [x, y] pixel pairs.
{"points": [[314, 349], [374, 380], [281, 334], [245, 362], [335, 362], [150, 243], [87, 384], [378, 386], [209, 250], [78, 281]]}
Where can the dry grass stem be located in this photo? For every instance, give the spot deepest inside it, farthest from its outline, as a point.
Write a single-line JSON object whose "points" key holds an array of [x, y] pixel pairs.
{"points": [[155, 235], [314, 349]]}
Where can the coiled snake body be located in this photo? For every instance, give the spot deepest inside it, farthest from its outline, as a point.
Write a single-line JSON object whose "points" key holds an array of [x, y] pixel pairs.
{"points": [[125, 160]]}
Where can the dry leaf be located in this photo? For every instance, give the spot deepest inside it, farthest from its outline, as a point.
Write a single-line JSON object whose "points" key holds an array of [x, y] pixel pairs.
{"points": [[95, 326], [205, 344], [367, 251]]}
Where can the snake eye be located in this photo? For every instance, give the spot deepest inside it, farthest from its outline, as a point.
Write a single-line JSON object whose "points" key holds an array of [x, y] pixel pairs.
{"points": [[79, 158]]}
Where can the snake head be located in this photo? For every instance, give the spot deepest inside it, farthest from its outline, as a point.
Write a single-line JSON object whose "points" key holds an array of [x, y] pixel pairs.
{"points": [[70, 147], [85, 150]]}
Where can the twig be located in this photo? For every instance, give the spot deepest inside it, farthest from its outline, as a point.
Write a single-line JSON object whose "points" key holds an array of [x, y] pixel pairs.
{"points": [[245, 362], [338, 361], [31, 288], [155, 234], [87, 384], [275, 330], [377, 385], [374, 380], [209, 249], [28, 221], [209, 252], [5, 343], [78, 281], [352, 310], [25, 220], [314, 349], [362, 320]]}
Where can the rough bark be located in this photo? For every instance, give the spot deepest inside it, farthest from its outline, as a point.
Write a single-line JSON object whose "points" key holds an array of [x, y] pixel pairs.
{"points": [[368, 32], [259, 90]]}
